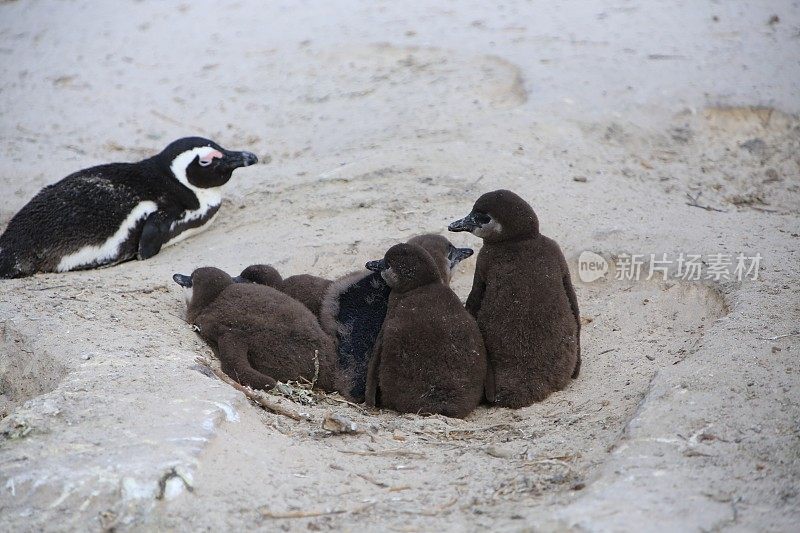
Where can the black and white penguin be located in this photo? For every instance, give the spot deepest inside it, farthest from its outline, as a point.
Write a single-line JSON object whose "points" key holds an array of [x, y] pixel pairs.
{"points": [[111, 213]]}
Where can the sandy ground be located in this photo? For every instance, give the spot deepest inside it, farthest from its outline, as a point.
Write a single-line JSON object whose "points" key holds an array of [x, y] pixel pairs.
{"points": [[383, 120]]}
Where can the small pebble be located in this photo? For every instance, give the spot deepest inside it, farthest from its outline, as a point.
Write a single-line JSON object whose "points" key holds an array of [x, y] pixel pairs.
{"points": [[498, 452]]}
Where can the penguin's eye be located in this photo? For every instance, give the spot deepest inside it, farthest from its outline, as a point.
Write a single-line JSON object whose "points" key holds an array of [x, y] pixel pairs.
{"points": [[208, 158]]}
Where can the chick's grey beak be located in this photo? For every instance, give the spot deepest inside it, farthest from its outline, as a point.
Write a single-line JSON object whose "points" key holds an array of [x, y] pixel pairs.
{"points": [[234, 160], [182, 280], [377, 266], [465, 224], [457, 255]]}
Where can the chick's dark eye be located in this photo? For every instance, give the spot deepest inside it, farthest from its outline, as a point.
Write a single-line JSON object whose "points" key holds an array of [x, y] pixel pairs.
{"points": [[204, 163], [482, 218]]}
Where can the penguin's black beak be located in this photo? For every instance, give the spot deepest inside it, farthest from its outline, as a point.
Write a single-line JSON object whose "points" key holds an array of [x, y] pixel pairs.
{"points": [[182, 280], [456, 255], [233, 160], [377, 266], [468, 223]]}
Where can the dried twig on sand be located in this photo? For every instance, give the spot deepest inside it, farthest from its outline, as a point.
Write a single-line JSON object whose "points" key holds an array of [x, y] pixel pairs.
{"points": [[252, 395], [381, 484], [556, 462], [386, 453], [301, 514], [266, 513], [316, 368], [372, 480], [333, 398], [778, 337], [693, 203], [51, 287]]}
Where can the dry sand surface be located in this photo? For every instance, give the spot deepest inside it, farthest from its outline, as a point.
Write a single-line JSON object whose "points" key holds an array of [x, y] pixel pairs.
{"points": [[383, 120]]}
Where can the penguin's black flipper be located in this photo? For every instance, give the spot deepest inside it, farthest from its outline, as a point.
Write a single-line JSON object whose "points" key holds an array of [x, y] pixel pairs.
{"points": [[573, 303], [154, 233], [489, 387], [9, 266], [371, 386], [577, 370], [475, 297]]}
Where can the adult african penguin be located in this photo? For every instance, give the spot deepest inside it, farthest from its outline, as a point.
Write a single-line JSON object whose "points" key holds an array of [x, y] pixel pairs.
{"points": [[111, 213]]}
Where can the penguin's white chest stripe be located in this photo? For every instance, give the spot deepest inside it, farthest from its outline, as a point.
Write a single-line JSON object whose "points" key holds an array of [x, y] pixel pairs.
{"points": [[109, 250], [188, 217], [208, 198], [193, 222]]}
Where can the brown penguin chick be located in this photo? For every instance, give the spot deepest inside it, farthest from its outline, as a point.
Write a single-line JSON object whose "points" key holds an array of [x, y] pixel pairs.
{"points": [[311, 290], [261, 335], [262, 274], [355, 305], [429, 356], [523, 300], [307, 289], [445, 255]]}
